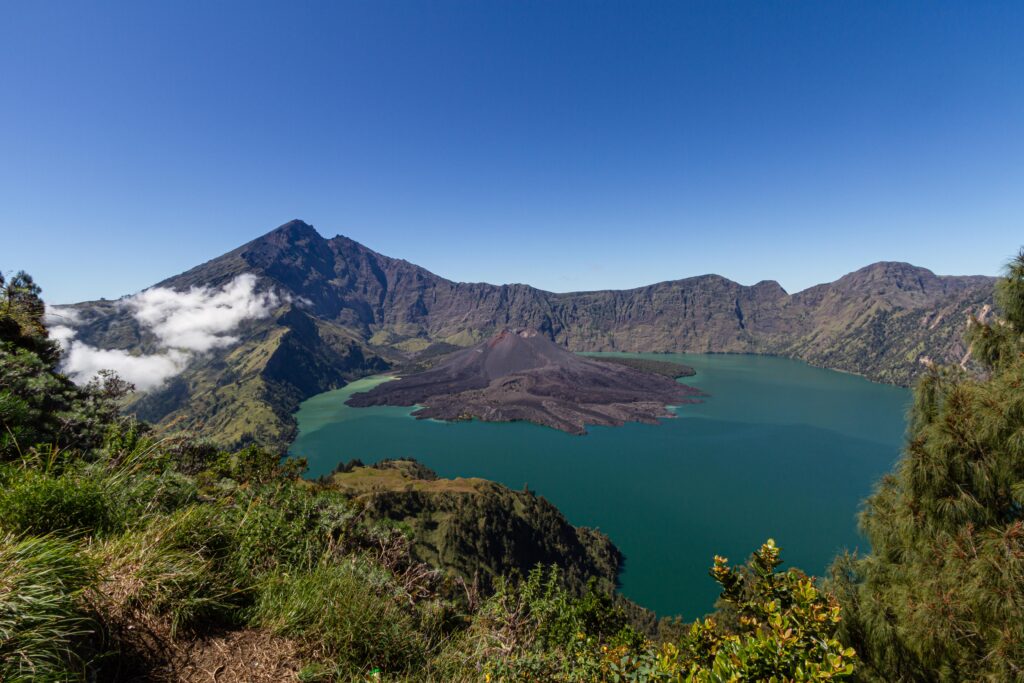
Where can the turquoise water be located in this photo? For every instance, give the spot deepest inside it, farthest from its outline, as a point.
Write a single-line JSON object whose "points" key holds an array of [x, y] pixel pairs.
{"points": [[778, 449]]}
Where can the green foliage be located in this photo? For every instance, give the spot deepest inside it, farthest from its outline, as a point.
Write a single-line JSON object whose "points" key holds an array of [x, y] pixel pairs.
{"points": [[37, 503], [286, 528], [177, 567], [997, 343], [21, 315], [1010, 293], [41, 618], [941, 597], [787, 629], [252, 464], [38, 405]]}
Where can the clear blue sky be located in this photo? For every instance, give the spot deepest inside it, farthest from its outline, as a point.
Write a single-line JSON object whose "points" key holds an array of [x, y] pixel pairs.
{"points": [[569, 145]]}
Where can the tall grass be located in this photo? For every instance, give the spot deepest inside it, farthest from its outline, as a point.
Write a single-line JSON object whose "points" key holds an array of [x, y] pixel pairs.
{"points": [[176, 567], [340, 612], [41, 581]]}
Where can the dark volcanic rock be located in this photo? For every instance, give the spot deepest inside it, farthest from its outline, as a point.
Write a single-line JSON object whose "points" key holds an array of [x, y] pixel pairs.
{"points": [[525, 376]]}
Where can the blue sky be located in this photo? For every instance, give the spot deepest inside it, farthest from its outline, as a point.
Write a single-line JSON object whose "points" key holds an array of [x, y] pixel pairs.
{"points": [[569, 145]]}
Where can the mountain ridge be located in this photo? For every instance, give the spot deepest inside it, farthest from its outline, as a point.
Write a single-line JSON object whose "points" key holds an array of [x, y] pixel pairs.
{"points": [[879, 321]]}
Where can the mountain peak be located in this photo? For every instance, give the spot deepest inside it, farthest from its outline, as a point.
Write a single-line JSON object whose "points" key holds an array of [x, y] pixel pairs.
{"points": [[893, 268], [293, 231]]}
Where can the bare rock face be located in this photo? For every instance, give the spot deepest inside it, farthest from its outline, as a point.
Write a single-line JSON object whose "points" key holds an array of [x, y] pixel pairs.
{"points": [[523, 375]]}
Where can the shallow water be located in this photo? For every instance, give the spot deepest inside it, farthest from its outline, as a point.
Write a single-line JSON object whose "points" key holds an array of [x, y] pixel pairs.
{"points": [[778, 449]]}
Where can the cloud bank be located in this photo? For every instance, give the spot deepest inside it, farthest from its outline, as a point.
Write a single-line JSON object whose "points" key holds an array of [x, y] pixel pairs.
{"points": [[185, 324]]}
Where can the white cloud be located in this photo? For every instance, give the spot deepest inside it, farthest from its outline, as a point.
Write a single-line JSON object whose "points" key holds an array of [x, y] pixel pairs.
{"points": [[185, 324], [82, 362], [201, 319], [62, 334], [61, 315]]}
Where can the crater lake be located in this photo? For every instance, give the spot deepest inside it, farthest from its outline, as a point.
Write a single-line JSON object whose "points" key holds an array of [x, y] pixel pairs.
{"points": [[777, 449]]}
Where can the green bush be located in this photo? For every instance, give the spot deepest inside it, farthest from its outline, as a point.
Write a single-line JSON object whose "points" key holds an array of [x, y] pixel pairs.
{"points": [[41, 620], [37, 503], [785, 630], [536, 629], [339, 611], [160, 493]]}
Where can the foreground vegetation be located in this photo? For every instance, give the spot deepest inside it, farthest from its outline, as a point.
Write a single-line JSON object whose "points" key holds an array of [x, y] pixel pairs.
{"points": [[125, 555], [128, 556]]}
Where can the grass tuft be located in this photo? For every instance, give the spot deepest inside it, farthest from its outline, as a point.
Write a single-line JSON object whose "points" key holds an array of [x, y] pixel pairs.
{"points": [[175, 568], [41, 617], [342, 611]]}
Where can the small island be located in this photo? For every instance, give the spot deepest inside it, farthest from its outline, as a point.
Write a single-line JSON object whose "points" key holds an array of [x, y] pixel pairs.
{"points": [[523, 375]]}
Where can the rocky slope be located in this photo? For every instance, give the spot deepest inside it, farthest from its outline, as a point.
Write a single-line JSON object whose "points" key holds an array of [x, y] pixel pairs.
{"points": [[525, 376], [347, 311]]}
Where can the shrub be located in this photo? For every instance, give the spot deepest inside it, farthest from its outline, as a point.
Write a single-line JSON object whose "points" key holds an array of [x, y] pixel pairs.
{"points": [[536, 629], [37, 503], [285, 526], [786, 629]]}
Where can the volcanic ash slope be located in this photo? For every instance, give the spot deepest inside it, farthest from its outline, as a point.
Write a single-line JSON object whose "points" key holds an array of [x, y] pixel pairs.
{"points": [[523, 375]]}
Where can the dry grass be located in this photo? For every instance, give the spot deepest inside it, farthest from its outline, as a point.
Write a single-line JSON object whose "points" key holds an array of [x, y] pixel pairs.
{"points": [[367, 480], [244, 656]]}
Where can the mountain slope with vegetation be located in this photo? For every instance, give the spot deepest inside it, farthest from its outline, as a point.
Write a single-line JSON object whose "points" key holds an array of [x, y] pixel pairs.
{"points": [[249, 392], [371, 312], [478, 529]]}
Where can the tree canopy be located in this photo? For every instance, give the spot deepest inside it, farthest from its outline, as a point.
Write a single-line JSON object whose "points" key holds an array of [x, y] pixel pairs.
{"points": [[941, 596]]}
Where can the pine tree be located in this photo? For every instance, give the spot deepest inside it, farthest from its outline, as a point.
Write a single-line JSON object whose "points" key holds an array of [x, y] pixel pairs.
{"points": [[941, 596], [40, 408]]}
